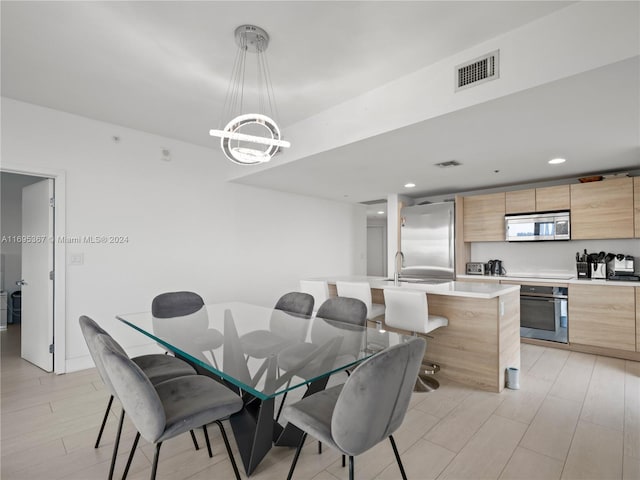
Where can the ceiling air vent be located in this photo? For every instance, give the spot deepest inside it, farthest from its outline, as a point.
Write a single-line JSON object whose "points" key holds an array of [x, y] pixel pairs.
{"points": [[450, 163], [478, 70]]}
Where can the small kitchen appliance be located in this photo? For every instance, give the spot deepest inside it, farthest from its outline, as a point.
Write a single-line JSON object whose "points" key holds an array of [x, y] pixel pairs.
{"points": [[537, 227], [621, 267], [496, 268], [476, 268]]}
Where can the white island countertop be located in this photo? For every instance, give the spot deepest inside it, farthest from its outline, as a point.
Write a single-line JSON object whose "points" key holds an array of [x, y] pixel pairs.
{"points": [[450, 289]]}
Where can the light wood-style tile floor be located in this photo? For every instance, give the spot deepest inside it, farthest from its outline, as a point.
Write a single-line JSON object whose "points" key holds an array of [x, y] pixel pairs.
{"points": [[576, 416]]}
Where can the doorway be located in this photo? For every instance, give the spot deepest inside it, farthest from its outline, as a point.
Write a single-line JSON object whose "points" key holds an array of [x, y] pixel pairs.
{"points": [[45, 337], [376, 249]]}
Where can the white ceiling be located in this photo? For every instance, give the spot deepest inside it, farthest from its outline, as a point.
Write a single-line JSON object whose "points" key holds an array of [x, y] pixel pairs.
{"points": [[163, 67]]}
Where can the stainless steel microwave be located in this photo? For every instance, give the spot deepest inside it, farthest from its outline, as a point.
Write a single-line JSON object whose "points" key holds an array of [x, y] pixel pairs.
{"points": [[537, 227]]}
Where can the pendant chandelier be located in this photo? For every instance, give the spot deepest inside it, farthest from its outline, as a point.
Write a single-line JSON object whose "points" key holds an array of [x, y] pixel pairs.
{"points": [[250, 138]]}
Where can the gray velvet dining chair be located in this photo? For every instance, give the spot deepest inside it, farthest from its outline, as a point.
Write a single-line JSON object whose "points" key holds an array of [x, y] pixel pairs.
{"points": [[186, 307], [168, 409], [366, 409], [156, 367], [284, 327], [336, 312], [333, 318]]}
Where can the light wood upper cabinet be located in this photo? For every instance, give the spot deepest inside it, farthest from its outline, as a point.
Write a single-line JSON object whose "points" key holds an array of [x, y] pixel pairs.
{"points": [[484, 218], [553, 198], [520, 201], [538, 200], [602, 209], [636, 204], [602, 316]]}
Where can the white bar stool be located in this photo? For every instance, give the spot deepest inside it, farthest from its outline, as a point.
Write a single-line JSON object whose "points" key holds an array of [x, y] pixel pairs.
{"points": [[361, 291], [409, 310], [318, 289]]}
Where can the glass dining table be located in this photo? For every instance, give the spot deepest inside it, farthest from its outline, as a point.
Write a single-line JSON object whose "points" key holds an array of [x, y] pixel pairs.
{"points": [[261, 353]]}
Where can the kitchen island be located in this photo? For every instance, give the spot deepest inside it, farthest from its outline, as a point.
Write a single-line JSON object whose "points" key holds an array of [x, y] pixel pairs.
{"points": [[483, 336]]}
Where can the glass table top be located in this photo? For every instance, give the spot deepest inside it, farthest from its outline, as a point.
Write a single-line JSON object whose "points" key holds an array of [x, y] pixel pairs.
{"points": [[263, 351]]}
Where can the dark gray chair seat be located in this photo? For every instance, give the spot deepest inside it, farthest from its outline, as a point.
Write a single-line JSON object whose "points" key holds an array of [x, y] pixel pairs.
{"points": [[159, 367], [168, 409], [368, 408], [193, 401]]}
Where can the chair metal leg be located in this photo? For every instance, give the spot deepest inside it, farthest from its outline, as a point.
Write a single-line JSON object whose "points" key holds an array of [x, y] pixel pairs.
{"points": [[104, 421], [351, 468], [319, 447], [344, 461], [295, 457], [154, 467], [131, 454], [195, 441], [115, 447], [228, 447], [395, 452], [206, 439]]}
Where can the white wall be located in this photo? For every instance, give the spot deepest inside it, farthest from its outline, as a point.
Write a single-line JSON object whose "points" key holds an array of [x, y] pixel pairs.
{"points": [[11, 226], [187, 227], [548, 257]]}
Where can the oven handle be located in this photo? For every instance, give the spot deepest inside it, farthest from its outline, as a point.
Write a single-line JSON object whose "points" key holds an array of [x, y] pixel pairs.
{"points": [[543, 295]]}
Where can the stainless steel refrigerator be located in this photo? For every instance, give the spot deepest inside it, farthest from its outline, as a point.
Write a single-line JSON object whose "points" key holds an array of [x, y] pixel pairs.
{"points": [[427, 236]]}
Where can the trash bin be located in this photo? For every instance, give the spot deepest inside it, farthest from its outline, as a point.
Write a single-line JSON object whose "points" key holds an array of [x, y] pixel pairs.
{"points": [[16, 306]]}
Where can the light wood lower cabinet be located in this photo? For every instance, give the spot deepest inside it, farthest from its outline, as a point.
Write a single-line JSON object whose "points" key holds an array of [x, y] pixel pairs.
{"points": [[602, 316]]}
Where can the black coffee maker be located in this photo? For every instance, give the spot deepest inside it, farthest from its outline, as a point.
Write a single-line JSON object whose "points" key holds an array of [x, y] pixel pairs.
{"points": [[496, 268]]}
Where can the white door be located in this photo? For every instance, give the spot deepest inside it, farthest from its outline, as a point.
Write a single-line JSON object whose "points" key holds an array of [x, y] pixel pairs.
{"points": [[37, 262]]}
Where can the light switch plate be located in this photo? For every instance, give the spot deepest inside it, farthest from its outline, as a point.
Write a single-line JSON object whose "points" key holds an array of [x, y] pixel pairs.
{"points": [[76, 259]]}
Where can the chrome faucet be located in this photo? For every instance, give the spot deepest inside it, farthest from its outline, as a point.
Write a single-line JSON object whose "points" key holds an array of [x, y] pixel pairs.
{"points": [[398, 267]]}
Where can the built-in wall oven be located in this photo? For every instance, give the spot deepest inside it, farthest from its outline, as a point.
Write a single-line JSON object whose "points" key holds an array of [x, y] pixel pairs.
{"points": [[543, 312]]}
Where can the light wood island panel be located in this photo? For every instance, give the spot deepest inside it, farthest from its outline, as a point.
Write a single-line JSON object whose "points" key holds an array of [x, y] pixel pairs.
{"points": [[478, 344]]}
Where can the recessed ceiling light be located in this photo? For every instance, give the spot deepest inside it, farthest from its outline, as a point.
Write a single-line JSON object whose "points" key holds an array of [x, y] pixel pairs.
{"points": [[381, 212], [409, 185], [556, 161]]}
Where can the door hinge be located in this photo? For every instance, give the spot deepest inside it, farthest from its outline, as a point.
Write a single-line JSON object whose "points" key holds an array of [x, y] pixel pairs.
{"points": [[51, 275], [51, 348], [52, 201]]}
